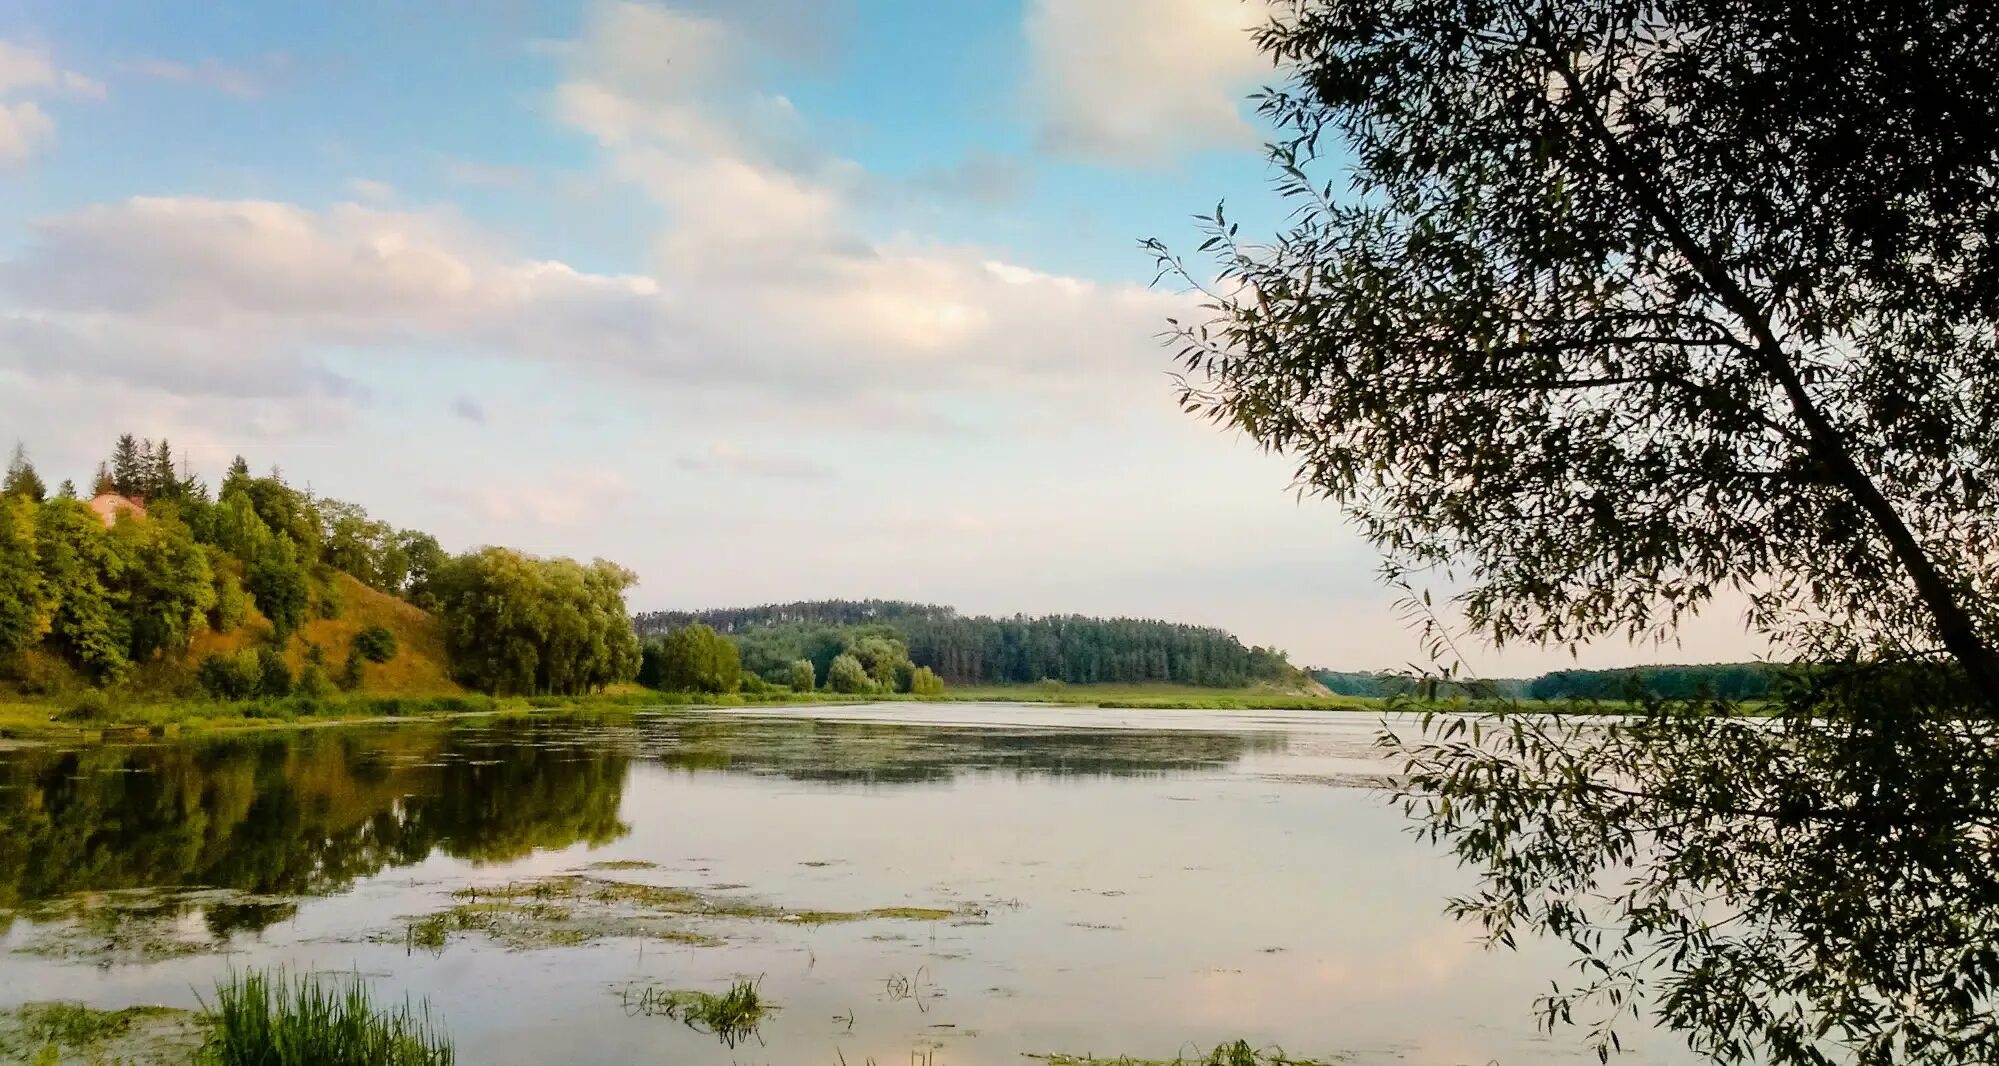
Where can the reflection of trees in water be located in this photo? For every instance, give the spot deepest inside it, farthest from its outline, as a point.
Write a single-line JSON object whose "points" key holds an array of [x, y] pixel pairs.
{"points": [[290, 813], [308, 812], [816, 750]]}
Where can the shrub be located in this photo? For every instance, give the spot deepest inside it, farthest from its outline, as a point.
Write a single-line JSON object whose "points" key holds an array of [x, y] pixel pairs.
{"points": [[331, 599], [229, 677], [88, 706], [847, 675], [274, 678], [375, 644], [350, 671], [801, 675], [924, 681], [232, 603], [313, 684]]}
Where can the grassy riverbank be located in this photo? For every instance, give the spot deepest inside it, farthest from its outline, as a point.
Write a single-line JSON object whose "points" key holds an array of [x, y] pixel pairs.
{"points": [[93, 713]]}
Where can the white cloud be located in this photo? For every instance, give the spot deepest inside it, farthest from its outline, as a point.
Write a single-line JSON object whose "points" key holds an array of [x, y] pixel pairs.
{"points": [[370, 190], [726, 458], [1139, 81], [22, 67], [764, 252], [239, 82], [24, 128]]}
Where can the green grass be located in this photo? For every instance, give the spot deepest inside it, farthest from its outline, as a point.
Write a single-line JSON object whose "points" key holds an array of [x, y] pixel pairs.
{"points": [[1161, 696], [261, 1019], [732, 1016]]}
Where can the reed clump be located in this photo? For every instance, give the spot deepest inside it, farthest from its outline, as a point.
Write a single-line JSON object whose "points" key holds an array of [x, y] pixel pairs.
{"points": [[269, 1019]]}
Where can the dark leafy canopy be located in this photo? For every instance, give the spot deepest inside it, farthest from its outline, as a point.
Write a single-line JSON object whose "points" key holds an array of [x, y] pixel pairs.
{"points": [[691, 659], [1624, 304], [1630, 302], [979, 650]]}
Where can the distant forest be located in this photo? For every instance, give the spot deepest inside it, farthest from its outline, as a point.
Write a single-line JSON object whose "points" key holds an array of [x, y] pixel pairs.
{"points": [[1729, 681], [979, 650]]}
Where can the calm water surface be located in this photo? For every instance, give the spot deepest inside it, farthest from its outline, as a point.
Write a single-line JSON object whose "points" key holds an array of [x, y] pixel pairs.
{"points": [[1121, 882]]}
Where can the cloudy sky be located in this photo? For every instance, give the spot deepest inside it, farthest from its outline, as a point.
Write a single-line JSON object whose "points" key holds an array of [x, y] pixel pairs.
{"points": [[765, 299]]}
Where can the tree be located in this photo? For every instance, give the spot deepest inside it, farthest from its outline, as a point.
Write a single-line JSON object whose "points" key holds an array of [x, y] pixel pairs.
{"points": [[103, 482], [278, 580], [514, 623], [848, 676], [81, 575], [800, 676], [1627, 304], [129, 467], [166, 583], [21, 478], [694, 659], [23, 612], [924, 682], [422, 558]]}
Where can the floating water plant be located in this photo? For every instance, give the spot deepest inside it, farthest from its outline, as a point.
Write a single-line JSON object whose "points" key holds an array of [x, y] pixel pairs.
{"points": [[1239, 1053], [261, 1019], [733, 1016]]}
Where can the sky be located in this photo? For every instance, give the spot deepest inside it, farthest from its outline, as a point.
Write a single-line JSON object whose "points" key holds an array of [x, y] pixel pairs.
{"points": [[766, 300]]}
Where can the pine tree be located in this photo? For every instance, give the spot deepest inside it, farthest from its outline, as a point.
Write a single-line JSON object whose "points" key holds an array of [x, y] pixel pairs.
{"points": [[22, 479], [128, 470], [104, 482], [161, 481], [68, 490], [238, 477]]}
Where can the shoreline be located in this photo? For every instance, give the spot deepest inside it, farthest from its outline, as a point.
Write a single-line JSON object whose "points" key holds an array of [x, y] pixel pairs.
{"points": [[27, 721]]}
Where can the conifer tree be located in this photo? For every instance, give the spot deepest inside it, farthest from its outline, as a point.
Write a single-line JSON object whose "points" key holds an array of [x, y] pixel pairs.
{"points": [[21, 477], [128, 467]]}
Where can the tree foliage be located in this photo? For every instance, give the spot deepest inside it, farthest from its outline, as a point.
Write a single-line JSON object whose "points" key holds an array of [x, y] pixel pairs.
{"points": [[514, 623], [692, 659], [21, 479], [846, 675], [23, 613], [1623, 305], [978, 650], [800, 676]]}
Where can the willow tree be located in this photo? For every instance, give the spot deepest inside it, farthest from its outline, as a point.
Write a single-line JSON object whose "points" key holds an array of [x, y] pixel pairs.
{"points": [[1600, 308]]}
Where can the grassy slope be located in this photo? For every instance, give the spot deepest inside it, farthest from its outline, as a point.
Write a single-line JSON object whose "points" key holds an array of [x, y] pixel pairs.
{"points": [[419, 667]]}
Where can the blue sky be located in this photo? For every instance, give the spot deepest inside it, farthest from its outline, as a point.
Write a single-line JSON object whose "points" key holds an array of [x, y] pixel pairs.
{"points": [[766, 299]]}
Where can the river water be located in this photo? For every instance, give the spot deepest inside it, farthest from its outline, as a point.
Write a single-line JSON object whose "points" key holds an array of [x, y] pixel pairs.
{"points": [[949, 884]]}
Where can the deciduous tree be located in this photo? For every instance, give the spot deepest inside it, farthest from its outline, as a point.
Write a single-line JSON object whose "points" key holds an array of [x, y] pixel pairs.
{"points": [[1604, 308]]}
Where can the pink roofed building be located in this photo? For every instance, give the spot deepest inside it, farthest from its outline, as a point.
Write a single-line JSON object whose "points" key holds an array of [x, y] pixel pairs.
{"points": [[106, 505]]}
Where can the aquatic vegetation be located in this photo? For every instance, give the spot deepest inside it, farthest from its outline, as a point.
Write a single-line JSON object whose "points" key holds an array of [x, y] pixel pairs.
{"points": [[261, 1019], [1239, 1053], [571, 909], [53, 1031], [139, 925], [623, 864], [732, 1016]]}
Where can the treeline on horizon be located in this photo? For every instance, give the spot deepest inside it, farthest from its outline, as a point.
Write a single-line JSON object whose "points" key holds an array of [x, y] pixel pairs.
{"points": [[119, 598], [1725, 681], [976, 650]]}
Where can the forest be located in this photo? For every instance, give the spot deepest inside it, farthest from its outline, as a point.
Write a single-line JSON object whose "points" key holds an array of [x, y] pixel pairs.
{"points": [[978, 650], [1724, 681], [160, 587]]}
